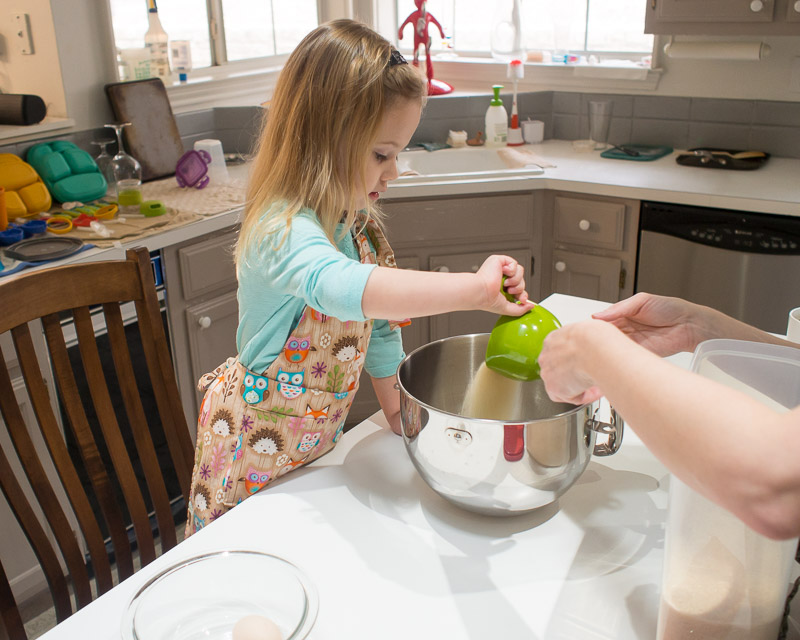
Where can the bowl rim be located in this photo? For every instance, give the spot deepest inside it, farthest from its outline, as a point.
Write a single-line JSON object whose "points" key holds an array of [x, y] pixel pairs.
{"points": [[302, 629], [425, 405]]}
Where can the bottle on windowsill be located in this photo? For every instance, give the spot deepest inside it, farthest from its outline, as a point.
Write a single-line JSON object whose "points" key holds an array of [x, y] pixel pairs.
{"points": [[156, 40]]}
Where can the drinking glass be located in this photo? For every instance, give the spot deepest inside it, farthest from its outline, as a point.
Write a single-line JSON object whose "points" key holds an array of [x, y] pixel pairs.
{"points": [[103, 160], [127, 175], [599, 122]]}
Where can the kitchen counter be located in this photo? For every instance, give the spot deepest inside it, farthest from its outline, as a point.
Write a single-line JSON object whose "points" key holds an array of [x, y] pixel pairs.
{"points": [[771, 189], [391, 559]]}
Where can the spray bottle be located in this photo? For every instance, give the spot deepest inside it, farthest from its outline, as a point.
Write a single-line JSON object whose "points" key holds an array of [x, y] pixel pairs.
{"points": [[515, 72], [496, 121], [156, 40]]}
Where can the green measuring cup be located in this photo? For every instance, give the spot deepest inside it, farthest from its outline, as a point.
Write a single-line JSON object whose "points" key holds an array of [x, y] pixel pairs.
{"points": [[516, 342]]}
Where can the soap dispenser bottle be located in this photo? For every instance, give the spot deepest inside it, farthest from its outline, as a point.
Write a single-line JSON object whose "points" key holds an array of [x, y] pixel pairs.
{"points": [[496, 121]]}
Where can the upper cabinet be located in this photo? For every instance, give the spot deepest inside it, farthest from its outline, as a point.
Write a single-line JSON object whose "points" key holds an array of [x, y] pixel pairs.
{"points": [[723, 17]]}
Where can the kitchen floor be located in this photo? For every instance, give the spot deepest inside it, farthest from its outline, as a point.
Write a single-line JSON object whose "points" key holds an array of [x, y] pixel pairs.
{"points": [[38, 613]]}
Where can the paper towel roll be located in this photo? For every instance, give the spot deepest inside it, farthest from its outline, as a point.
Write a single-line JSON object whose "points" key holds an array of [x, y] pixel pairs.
{"points": [[718, 50]]}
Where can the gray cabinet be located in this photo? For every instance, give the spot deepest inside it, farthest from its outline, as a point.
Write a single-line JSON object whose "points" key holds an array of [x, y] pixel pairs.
{"points": [[723, 17], [593, 250], [202, 310]]}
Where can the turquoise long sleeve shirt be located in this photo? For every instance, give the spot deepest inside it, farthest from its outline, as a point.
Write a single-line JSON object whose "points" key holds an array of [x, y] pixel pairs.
{"points": [[275, 285]]}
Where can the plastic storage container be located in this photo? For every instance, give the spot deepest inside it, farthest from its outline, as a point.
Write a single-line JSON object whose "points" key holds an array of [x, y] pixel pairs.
{"points": [[722, 579]]}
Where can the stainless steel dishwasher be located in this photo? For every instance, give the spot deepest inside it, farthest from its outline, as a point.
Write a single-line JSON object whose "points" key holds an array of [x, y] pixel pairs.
{"points": [[744, 264]]}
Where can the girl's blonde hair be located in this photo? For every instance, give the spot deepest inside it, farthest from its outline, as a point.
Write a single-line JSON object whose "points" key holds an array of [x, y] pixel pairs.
{"points": [[322, 122]]}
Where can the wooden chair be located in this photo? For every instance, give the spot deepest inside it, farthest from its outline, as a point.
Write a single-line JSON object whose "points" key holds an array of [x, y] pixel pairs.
{"points": [[101, 485]]}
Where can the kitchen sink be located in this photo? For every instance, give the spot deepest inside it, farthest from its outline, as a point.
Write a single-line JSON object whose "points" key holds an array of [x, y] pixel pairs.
{"points": [[471, 163]]}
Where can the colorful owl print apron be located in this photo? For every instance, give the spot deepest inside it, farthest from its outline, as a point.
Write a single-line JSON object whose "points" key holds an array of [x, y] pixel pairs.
{"points": [[254, 427]]}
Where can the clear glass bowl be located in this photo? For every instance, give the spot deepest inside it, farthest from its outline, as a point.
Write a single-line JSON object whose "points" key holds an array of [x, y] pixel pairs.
{"points": [[205, 596]]}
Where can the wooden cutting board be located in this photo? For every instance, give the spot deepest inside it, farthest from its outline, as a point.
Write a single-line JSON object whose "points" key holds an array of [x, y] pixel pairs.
{"points": [[153, 137]]}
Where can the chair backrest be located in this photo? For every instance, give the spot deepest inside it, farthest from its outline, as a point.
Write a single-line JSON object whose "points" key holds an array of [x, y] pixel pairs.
{"points": [[101, 446]]}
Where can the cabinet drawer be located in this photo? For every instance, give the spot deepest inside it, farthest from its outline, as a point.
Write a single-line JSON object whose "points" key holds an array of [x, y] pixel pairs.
{"points": [[593, 223], [208, 266], [465, 219]]}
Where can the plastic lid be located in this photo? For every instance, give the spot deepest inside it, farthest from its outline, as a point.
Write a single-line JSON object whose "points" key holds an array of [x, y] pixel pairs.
{"points": [[496, 101], [768, 372]]}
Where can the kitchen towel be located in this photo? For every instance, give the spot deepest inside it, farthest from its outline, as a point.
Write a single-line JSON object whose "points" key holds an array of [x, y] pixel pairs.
{"points": [[519, 158]]}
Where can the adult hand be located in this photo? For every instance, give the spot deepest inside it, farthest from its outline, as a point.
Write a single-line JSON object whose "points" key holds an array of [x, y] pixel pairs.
{"points": [[660, 324], [491, 275], [564, 370]]}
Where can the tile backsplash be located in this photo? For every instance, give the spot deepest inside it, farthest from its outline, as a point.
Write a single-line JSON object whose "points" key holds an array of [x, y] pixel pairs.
{"points": [[678, 122]]}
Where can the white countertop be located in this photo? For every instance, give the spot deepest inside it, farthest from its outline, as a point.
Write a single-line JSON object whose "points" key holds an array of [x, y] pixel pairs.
{"points": [[393, 560], [774, 188]]}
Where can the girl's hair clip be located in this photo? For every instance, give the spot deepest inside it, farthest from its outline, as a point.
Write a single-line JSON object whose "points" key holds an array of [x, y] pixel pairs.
{"points": [[396, 58]]}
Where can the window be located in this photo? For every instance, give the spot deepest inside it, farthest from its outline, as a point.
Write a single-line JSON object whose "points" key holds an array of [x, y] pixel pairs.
{"points": [[603, 28], [222, 30]]}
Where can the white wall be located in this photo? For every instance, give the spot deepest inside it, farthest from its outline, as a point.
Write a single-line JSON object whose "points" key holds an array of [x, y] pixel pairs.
{"points": [[38, 74]]}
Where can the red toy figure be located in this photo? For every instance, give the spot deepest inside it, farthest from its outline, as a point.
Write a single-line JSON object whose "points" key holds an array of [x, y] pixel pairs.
{"points": [[421, 19]]}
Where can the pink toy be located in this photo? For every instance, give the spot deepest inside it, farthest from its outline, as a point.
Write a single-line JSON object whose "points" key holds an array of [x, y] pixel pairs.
{"points": [[421, 19], [192, 169]]}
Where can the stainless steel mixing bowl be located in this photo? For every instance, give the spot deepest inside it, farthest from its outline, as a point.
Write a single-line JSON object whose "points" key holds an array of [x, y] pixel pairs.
{"points": [[489, 466]]}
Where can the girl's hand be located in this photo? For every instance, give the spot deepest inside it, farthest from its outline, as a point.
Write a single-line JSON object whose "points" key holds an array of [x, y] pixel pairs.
{"points": [[491, 275]]}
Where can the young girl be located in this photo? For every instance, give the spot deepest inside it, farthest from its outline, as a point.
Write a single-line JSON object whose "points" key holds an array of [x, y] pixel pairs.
{"points": [[317, 279]]}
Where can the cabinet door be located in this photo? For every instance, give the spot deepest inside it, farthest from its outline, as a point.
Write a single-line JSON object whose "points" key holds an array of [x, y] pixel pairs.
{"points": [[466, 322], [722, 17], [586, 276], [211, 330]]}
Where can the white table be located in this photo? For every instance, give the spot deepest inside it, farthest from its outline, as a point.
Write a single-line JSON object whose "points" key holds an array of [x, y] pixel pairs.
{"points": [[391, 559]]}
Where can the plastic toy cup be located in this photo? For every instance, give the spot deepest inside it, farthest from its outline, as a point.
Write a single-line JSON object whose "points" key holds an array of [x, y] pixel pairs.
{"points": [[516, 342]]}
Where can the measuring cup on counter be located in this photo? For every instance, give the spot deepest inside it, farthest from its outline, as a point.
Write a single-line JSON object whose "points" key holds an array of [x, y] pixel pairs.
{"points": [[516, 342]]}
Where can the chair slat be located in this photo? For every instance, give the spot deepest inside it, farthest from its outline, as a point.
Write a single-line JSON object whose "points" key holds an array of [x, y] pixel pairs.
{"points": [[139, 424], [93, 464], [26, 452], [98, 388]]}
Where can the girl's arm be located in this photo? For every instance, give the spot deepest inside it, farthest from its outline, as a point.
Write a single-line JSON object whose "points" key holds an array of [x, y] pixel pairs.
{"points": [[404, 293], [389, 399], [724, 444]]}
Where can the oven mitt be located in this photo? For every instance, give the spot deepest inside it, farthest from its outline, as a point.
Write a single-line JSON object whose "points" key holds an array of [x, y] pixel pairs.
{"points": [[26, 194], [68, 171]]}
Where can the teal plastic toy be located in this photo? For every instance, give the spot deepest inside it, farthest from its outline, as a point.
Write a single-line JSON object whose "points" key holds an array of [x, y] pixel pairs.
{"points": [[516, 342], [68, 172]]}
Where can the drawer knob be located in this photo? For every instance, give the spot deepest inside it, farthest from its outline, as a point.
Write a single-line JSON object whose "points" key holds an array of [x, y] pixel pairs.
{"points": [[756, 6], [204, 322], [584, 225], [442, 268], [797, 6], [561, 266]]}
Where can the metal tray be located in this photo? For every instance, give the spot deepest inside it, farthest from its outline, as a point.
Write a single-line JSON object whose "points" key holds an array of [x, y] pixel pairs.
{"points": [[721, 159], [43, 249]]}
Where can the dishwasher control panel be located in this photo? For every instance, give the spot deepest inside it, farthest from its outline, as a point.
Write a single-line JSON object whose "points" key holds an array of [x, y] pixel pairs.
{"points": [[733, 230]]}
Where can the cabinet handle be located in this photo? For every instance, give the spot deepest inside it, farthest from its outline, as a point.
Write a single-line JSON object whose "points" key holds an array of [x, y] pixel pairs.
{"points": [[442, 268], [204, 322], [756, 6], [797, 6], [584, 225], [561, 266]]}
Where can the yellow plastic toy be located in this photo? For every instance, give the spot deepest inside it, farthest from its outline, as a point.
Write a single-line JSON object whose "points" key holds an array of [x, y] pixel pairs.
{"points": [[26, 194]]}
